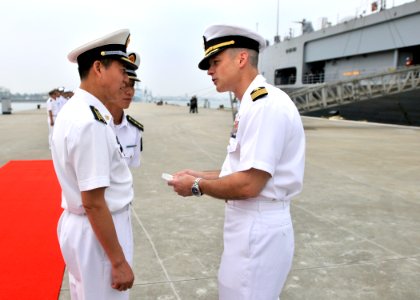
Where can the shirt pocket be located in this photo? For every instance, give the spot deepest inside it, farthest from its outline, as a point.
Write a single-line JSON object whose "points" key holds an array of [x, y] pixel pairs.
{"points": [[129, 151]]}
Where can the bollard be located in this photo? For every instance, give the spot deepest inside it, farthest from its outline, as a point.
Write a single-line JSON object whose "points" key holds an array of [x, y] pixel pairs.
{"points": [[6, 106]]}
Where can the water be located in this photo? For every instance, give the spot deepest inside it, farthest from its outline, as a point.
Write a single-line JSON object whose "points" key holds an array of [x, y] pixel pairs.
{"points": [[20, 106], [212, 103]]}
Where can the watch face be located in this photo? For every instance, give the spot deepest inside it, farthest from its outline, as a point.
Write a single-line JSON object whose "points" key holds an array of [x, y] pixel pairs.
{"points": [[195, 191]]}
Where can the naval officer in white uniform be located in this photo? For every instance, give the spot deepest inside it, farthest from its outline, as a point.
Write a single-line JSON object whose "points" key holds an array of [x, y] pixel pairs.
{"points": [[263, 169], [94, 231], [128, 130], [52, 111]]}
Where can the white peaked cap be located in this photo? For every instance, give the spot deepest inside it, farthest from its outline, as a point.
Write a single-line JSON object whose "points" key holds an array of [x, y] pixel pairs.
{"points": [[113, 45], [220, 37]]}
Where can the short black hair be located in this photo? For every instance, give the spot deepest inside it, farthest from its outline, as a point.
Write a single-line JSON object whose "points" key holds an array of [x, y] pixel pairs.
{"points": [[85, 67]]}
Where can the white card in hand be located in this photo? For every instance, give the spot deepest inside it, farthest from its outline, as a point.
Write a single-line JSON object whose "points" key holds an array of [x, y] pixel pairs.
{"points": [[167, 176]]}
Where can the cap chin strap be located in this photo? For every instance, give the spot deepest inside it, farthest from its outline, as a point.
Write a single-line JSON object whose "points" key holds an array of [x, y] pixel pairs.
{"points": [[120, 53]]}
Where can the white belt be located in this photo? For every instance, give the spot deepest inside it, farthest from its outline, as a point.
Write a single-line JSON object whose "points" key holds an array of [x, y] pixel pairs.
{"points": [[260, 204]]}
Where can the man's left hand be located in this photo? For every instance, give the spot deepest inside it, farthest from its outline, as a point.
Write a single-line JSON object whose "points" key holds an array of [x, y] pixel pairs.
{"points": [[182, 184]]}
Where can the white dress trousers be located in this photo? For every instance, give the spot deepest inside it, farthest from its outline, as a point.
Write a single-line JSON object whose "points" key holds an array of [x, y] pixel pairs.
{"points": [[258, 253], [85, 256]]}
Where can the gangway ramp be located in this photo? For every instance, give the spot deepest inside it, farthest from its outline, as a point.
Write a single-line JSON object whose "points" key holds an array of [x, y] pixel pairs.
{"points": [[362, 88]]}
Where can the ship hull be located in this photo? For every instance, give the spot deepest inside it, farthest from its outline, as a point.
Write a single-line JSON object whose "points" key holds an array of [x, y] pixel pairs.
{"points": [[401, 109], [377, 43]]}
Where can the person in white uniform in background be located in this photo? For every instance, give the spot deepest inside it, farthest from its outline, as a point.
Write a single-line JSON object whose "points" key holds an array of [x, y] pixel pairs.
{"points": [[61, 99], [94, 230], [262, 171], [52, 111], [128, 130]]}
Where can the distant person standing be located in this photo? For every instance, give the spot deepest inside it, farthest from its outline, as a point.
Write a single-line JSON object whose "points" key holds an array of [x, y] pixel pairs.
{"points": [[262, 171], [128, 130], [94, 230], [408, 61], [61, 100], [68, 94], [53, 108], [193, 105]]}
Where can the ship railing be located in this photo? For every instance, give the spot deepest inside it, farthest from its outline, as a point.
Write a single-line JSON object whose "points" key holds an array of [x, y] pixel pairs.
{"points": [[330, 94]]}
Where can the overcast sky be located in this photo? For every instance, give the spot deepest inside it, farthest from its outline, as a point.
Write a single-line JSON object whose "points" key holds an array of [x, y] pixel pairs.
{"points": [[36, 36]]}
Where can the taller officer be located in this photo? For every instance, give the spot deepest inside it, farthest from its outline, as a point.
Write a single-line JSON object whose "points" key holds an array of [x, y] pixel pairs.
{"points": [[262, 171], [94, 231]]}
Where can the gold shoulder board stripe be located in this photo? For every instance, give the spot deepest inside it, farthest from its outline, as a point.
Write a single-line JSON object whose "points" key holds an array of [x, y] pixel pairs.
{"points": [[258, 93], [97, 115], [135, 123]]}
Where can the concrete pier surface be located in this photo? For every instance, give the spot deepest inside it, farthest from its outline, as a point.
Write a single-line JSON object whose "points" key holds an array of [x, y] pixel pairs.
{"points": [[357, 221]]}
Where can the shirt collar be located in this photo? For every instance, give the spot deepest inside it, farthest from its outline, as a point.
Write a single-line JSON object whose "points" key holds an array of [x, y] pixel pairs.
{"points": [[258, 81], [124, 122], [92, 100]]}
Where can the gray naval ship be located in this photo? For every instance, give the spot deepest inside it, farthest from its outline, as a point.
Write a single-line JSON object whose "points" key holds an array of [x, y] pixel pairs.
{"points": [[364, 68]]}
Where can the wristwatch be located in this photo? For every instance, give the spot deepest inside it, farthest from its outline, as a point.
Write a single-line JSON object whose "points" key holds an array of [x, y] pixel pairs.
{"points": [[195, 189]]}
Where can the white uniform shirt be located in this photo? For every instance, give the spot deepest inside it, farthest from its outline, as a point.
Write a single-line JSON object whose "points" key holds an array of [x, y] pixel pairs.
{"points": [[86, 155], [268, 135], [53, 106], [130, 138], [61, 101]]}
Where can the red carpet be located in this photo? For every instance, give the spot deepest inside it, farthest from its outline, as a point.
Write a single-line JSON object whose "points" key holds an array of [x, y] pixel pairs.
{"points": [[31, 263]]}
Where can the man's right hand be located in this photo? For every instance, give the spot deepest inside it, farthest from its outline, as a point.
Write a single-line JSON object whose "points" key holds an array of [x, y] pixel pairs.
{"points": [[122, 277], [100, 218]]}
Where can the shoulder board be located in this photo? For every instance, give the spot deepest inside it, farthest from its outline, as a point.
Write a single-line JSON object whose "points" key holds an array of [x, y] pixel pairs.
{"points": [[97, 115], [258, 93], [135, 123]]}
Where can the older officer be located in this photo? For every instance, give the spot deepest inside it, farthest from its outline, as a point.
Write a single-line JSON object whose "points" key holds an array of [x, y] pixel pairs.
{"points": [[128, 130], [262, 171], [94, 231]]}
